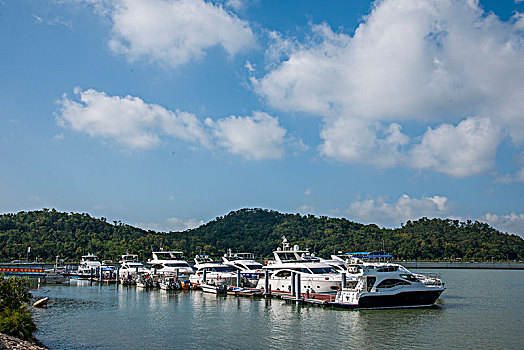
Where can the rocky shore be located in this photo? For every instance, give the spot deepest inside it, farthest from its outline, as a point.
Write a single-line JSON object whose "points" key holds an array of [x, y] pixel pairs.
{"points": [[9, 342]]}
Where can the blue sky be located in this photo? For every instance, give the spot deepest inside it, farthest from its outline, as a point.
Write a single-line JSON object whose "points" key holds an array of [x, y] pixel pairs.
{"points": [[165, 114]]}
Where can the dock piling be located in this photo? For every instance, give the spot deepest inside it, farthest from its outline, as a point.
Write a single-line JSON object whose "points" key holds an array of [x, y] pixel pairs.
{"points": [[293, 285], [297, 287], [266, 283]]}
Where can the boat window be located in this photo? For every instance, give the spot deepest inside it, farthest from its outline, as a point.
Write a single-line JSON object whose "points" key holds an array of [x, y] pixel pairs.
{"points": [[253, 266], [319, 270], [392, 282], [176, 265], [388, 268], [371, 281], [351, 284], [409, 278], [283, 274], [221, 269]]}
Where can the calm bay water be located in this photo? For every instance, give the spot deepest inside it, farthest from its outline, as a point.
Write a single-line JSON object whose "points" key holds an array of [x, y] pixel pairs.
{"points": [[480, 309]]}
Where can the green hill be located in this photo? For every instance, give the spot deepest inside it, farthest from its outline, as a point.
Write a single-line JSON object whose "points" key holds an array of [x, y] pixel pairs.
{"points": [[70, 235]]}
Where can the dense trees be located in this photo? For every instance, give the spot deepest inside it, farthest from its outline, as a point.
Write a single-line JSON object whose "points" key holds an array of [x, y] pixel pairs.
{"points": [[15, 319], [51, 233]]}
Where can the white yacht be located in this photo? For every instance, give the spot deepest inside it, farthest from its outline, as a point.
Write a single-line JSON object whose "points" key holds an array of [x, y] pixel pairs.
{"points": [[216, 272], [130, 267], [170, 263], [316, 277], [373, 284], [251, 270], [88, 266]]}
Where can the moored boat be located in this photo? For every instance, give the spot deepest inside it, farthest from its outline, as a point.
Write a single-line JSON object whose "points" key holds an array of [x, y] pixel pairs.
{"points": [[170, 263], [130, 268], [209, 271], [251, 270], [316, 277], [88, 267], [372, 284]]}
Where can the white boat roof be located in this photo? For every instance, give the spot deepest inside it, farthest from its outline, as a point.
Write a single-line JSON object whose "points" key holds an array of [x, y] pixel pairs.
{"points": [[168, 255]]}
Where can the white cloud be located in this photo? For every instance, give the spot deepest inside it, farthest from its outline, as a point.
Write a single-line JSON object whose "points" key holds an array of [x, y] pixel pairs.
{"points": [[380, 212], [510, 178], [58, 137], [354, 140], [137, 125], [518, 18], [305, 209], [173, 33], [53, 21], [467, 149], [236, 4], [127, 120], [257, 137], [511, 223], [440, 62], [171, 224], [307, 192]]}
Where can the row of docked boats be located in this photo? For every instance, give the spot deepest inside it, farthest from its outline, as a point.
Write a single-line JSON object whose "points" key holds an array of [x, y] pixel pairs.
{"points": [[352, 280]]}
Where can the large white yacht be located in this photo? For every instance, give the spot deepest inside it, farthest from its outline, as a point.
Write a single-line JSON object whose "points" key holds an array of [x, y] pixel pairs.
{"points": [[251, 270], [88, 266], [316, 277], [374, 284], [216, 272], [170, 263], [130, 267]]}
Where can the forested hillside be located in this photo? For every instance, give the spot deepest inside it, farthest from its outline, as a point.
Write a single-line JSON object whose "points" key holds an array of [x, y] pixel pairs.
{"points": [[70, 235]]}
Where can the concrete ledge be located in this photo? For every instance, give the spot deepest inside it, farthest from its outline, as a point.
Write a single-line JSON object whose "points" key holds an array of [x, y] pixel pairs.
{"points": [[462, 265]]}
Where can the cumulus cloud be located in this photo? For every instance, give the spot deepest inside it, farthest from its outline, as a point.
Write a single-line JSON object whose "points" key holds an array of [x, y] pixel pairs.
{"points": [[171, 224], [510, 223], [441, 62], [467, 149], [354, 140], [127, 120], [254, 137], [132, 123], [173, 33], [380, 212]]}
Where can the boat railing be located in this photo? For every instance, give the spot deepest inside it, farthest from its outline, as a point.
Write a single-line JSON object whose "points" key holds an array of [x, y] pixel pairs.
{"points": [[430, 278]]}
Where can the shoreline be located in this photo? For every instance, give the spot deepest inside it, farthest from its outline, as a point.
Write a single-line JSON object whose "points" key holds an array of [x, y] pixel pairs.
{"points": [[10, 342]]}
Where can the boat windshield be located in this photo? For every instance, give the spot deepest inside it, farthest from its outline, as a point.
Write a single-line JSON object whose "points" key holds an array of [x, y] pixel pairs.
{"points": [[219, 269], [134, 264], [253, 266], [320, 270], [169, 255], [176, 265]]}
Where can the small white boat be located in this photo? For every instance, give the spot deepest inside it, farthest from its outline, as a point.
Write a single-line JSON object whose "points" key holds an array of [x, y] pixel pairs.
{"points": [[169, 283], [146, 281], [214, 289]]}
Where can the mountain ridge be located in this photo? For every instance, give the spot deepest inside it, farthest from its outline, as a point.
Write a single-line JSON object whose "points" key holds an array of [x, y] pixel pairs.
{"points": [[70, 235]]}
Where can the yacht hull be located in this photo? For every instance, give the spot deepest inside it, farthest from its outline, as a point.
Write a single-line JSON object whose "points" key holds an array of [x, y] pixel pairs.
{"points": [[397, 300]]}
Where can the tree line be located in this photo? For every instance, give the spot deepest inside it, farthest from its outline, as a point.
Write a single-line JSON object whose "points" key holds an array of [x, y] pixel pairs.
{"points": [[71, 235]]}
